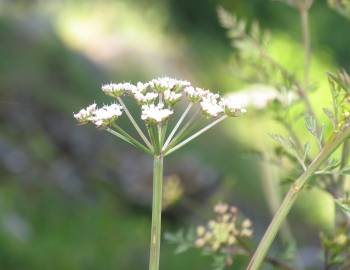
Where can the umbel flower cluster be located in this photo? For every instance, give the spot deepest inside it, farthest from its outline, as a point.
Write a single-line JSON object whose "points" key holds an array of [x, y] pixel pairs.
{"points": [[225, 231], [157, 100]]}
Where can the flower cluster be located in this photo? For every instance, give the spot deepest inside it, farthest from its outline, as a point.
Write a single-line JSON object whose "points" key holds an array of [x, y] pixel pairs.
{"points": [[157, 98], [155, 113], [99, 116], [225, 230]]}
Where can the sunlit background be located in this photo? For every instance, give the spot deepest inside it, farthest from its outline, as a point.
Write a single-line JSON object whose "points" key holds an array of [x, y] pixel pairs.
{"points": [[72, 197]]}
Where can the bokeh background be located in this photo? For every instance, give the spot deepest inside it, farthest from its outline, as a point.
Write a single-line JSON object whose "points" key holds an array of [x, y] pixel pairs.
{"points": [[72, 197]]}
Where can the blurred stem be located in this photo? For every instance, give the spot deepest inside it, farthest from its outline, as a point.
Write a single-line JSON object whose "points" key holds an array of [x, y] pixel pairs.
{"points": [[156, 212], [304, 16], [273, 196], [343, 162], [333, 143]]}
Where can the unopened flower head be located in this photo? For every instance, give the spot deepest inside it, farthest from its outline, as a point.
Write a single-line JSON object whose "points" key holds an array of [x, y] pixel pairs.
{"points": [[225, 230]]}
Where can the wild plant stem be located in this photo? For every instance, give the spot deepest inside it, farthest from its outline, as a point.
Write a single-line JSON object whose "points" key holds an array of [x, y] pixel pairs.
{"points": [[127, 138], [167, 152], [273, 261], [181, 119], [136, 126], [272, 193], [156, 212], [304, 16], [183, 131], [343, 162], [334, 142]]}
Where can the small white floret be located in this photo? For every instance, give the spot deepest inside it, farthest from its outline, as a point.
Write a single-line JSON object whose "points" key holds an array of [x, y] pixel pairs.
{"points": [[106, 115], [166, 83], [155, 114], [142, 87], [117, 89], [171, 97], [84, 115], [145, 98], [231, 107], [211, 107], [195, 94]]}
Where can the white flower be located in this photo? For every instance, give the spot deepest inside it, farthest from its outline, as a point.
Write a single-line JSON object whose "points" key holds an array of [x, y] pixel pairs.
{"points": [[141, 87], [211, 107], [166, 83], [155, 114], [171, 97], [106, 114], [84, 115], [194, 94], [231, 107], [117, 89], [145, 98], [211, 104]]}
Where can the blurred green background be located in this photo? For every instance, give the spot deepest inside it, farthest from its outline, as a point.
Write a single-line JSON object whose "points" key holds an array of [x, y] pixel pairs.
{"points": [[72, 197]]}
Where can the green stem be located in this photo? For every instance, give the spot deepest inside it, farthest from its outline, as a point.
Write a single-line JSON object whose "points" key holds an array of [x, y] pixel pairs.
{"points": [[343, 162], [136, 126], [304, 15], [156, 212], [281, 214], [273, 196], [177, 126], [127, 138], [184, 142]]}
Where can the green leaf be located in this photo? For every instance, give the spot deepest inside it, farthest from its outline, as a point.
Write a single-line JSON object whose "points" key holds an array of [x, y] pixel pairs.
{"points": [[307, 148], [219, 263], [310, 124], [341, 6], [345, 170], [331, 116], [183, 242], [344, 205]]}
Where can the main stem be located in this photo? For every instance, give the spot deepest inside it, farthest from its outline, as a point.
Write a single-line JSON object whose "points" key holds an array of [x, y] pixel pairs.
{"points": [[156, 212], [281, 214]]}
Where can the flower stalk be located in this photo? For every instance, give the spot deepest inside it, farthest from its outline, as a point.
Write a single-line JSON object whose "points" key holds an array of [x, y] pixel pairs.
{"points": [[333, 143], [198, 133], [156, 212]]}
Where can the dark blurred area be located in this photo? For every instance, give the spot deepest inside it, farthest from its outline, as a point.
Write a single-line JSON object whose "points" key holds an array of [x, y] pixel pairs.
{"points": [[73, 197]]}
